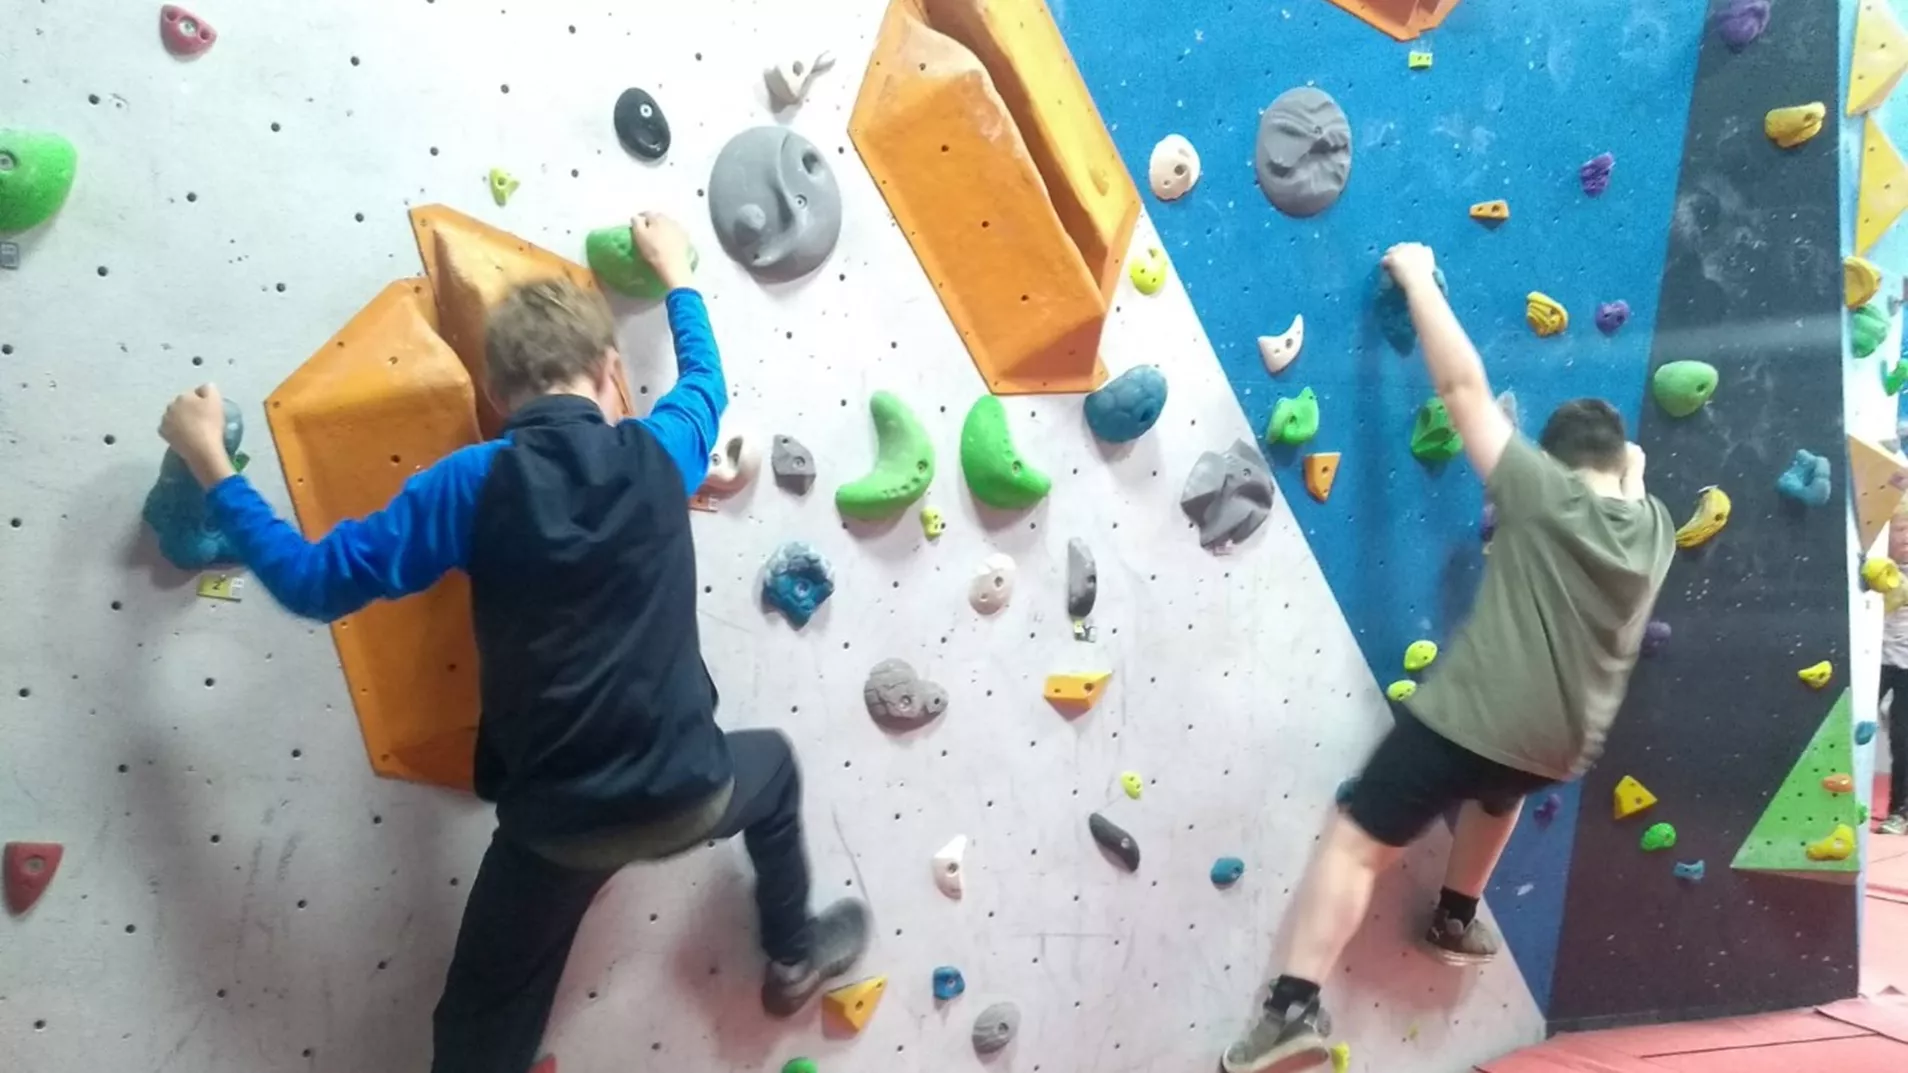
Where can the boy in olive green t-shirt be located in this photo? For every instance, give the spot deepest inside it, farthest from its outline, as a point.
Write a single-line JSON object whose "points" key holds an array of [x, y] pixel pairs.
{"points": [[1526, 694]]}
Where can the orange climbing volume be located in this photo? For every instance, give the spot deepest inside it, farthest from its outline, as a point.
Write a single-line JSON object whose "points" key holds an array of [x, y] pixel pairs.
{"points": [[1402, 19], [1320, 471], [981, 134], [1878, 478]]}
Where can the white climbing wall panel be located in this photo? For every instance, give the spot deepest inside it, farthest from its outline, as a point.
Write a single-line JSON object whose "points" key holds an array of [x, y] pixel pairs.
{"points": [[241, 894]]}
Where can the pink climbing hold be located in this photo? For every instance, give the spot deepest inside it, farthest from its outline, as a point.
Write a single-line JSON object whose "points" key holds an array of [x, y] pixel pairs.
{"points": [[184, 33], [546, 1064], [29, 867]]}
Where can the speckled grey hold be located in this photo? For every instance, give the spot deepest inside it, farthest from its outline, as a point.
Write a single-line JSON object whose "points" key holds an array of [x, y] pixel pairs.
{"points": [[792, 464], [995, 1028], [1304, 153], [1083, 579], [774, 203], [1227, 495], [900, 699]]}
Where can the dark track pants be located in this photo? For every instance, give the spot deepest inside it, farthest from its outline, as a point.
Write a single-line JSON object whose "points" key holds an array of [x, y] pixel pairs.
{"points": [[524, 911], [1895, 680]]}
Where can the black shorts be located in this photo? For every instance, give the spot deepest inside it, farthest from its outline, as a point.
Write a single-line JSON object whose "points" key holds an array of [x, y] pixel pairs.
{"points": [[1417, 775]]}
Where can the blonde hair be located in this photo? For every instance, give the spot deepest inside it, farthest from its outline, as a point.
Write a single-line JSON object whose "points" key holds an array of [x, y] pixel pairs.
{"points": [[545, 333]]}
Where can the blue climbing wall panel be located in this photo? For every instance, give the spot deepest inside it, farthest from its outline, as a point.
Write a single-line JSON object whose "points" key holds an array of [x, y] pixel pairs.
{"points": [[1520, 94]]}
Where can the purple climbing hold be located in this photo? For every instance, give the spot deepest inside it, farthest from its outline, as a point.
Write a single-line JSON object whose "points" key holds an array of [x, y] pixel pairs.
{"points": [[1656, 636], [1488, 527], [1742, 22], [1548, 809], [1595, 173], [1612, 316]]}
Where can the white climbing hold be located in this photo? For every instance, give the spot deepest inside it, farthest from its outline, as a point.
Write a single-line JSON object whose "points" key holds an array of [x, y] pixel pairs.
{"points": [[788, 82], [733, 463], [993, 584], [1174, 168], [1278, 351], [948, 863]]}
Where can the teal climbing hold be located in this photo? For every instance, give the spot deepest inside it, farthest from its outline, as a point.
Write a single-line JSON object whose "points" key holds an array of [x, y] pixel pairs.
{"points": [[176, 508], [1867, 327], [1294, 420], [1682, 387], [612, 255], [1226, 871], [1658, 836], [904, 464], [1807, 480], [36, 174], [995, 472], [1433, 438], [1394, 311]]}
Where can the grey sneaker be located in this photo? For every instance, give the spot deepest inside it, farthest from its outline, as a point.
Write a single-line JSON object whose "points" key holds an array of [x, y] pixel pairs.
{"points": [[837, 938], [1895, 824], [1284, 1040], [1460, 944]]}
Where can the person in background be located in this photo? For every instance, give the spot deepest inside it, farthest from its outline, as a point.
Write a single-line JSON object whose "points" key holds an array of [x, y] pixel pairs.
{"points": [[1894, 689], [597, 740]]}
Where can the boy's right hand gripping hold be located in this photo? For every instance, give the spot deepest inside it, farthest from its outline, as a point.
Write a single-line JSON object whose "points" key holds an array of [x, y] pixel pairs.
{"points": [[1411, 264], [664, 244]]}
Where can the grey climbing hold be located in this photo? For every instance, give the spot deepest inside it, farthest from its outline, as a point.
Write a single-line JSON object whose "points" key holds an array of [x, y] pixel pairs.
{"points": [[1083, 579], [1115, 841], [1226, 871], [995, 1028], [1806, 480], [992, 586], [641, 125], [1656, 637], [10, 256], [774, 203], [176, 510], [1304, 152], [788, 82], [792, 464], [1227, 495], [1346, 789], [1128, 405], [900, 699], [1394, 311], [797, 582]]}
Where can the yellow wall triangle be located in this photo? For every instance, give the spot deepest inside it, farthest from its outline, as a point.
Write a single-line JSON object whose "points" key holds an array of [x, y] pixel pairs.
{"points": [[855, 1003], [1631, 797], [1884, 187], [1881, 55], [1876, 479]]}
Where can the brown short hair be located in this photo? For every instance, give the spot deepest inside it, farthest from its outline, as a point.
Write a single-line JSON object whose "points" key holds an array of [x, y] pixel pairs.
{"points": [[543, 334], [1587, 434]]}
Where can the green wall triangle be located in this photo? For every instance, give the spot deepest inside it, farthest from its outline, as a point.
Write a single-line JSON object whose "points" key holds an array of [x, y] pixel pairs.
{"points": [[1803, 810]]}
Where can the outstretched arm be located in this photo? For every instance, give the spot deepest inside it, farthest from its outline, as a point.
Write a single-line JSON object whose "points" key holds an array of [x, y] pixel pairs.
{"points": [[1457, 373], [685, 420]]}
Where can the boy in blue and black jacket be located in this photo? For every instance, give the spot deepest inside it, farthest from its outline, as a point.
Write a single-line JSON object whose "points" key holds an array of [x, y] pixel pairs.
{"points": [[597, 739]]}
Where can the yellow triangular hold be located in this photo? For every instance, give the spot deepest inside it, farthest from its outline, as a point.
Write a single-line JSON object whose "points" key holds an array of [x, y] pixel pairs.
{"points": [[855, 1003], [1861, 281], [1877, 479], [1077, 692], [1883, 193], [1631, 798], [1881, 55]]}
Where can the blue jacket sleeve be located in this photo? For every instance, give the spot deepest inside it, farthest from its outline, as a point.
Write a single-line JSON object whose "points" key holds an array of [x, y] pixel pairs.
{"points": [[399, 550], [685, 419]]}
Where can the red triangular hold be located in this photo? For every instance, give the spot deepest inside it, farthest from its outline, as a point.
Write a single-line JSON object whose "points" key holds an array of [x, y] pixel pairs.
{"points": [[29, 868], [546, 1064]]}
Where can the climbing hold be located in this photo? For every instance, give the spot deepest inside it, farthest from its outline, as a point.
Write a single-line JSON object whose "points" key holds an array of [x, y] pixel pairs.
{"points": [[1226, 871], [949, 984], [788, 82], [1631, 797], [548, 1064], [948, 874], [1867, 327], [794, 1065], [1712, 513], [641, 125], [1487, 525], [1595, 174], [1839, 784], [1879, 58], [1131, 782], [899, 699], [1115, 841], [9, 255], [1544, 315], [1656, 636], [1835, 846], [1893, 380], [1612, 316], [774, 203], [992, 586], [995, 1028], [792, 464], [1690, 871], [1433, 438], [1083, 579], [1227, 495], [854, 1004], [612, 255], [175, 507], [1658, 836], [1278, 351], [1491, 211], [797, 582], [1174, 168], [1418, 61], [994, 470], [1816, 675], [1794, 125], [1882, 192], [1076, 693], [933, 523], [1881, 574], [1294, 420], [29, 867], [1401, 690], [1320, 471], [1742, 22], [1128, 405], [1861, 281], [1148, 270], [1806, 480], [904, 464], [733, 462], [1346, 788], [1864, 732], [36, 174], [502, 186], [1419, 655], [1548, 808], [1682, 387], [1393, 310], [1341, 1057], [183, 33], [1303, 156]]}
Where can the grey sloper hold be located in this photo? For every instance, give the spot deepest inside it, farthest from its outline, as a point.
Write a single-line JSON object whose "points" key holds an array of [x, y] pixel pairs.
{"points": [[1115, 841], [1227, 495], [1304, 153], [792, 464], [774, 203], [900, 699], [995, 1028], [1083, 579]]}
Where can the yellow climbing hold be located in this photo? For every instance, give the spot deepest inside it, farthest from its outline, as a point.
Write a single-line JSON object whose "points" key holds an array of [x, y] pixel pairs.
{"points": [[1491, 210], [1076, 691], [855, 1003], [1134, 786], [1149, 270], [1418, 61], [1791, 126], [1712, 513], [1883, 192], [1881, 574], [1419, 654], [1341, 1057], [1881, 55], [1861, 281], [1631, 797], [502, 186], [1401, 690], [1836, 847], [1817, 676], [1545, 315]]}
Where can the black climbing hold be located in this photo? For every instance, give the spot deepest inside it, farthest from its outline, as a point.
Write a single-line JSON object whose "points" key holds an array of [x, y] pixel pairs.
{"points": [[640, 125], [1115, 841]]}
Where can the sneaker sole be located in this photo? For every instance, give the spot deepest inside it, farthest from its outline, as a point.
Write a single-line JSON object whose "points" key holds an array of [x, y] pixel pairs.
{"points": [[1453, 957], [1291, 1060]]}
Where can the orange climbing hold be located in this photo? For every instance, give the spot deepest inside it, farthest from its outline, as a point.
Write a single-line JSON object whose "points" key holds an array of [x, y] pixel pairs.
{"points": [[29, 867], [1076, 693], [1839, 784], [1878, 478], [1320, 471], [1402, 19], [855, 1004], [1491, 211]]}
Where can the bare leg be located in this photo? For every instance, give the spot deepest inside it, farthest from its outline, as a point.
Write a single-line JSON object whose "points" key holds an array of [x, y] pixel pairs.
{"points": [[1335, 897], [1475, 848]]}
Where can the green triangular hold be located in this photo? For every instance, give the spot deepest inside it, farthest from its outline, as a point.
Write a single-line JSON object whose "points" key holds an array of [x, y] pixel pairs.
{"points": [[1804, 811]]}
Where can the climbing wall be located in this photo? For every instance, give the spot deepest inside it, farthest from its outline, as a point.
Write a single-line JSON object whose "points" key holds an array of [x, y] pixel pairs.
{"points": [[239, 892]]}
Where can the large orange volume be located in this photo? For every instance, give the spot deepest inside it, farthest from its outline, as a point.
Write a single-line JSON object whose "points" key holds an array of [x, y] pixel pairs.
{"points": [[1402, 19]]}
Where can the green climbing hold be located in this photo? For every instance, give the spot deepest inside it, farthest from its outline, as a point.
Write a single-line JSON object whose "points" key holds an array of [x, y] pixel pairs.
{"points": [[612, 255], [502, 186], [1682, 387], [36, 173], [994, 470], [904, 463], [801, 1065], [1432, 437], [1419, 655], [1893, 380], [1867, 327], [1401, 690], [1658, 836], [1295, 420]]}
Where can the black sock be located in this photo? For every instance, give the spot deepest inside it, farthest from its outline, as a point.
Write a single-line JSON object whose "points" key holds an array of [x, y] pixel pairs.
{"points": [[1461, 908], [1290, 990]]}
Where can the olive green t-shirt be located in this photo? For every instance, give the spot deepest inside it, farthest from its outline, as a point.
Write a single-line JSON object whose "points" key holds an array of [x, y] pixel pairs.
{"points": [[1534, 679]]}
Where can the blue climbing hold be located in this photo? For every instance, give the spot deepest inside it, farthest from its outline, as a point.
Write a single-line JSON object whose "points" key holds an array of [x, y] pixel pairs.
{"points": [[1128, 405], [175, 508], [798, 582], [948, 983], [1345, 790], [1690, 870], [1864, 732], [1394, 312], [1806, 480], [1226, 871]]}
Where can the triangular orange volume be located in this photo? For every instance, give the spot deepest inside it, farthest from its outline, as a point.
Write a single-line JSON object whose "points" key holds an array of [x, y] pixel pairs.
{"points": [[1882, 193], [29, 868], [856, 1003], [1880, 57], [1320, 471], [1877, 479]]}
